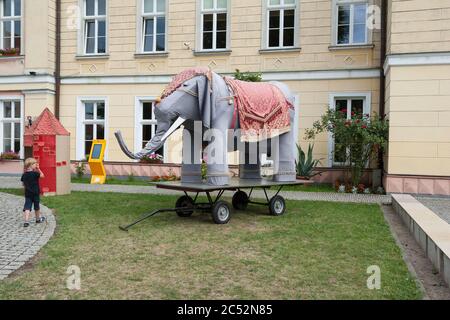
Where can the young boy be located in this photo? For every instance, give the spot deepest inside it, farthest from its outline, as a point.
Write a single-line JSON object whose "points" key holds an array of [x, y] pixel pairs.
{"points": [[30, 180]]}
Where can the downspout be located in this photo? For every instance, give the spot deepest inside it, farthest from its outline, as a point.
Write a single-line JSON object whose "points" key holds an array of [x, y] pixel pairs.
{"points": [[58, 59], [383, 45]]}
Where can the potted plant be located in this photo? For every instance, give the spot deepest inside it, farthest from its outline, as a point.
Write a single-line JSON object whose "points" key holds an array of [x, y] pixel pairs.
{"points": [[154, 158], [10, 155], [9, 52], [305, 163]]}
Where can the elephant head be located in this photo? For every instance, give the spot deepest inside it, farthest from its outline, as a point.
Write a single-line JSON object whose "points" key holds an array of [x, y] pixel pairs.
{"points": [[184, 105]]}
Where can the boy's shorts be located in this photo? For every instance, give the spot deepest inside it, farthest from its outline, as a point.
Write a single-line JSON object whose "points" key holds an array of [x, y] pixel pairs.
{"points": [[32, 201]]}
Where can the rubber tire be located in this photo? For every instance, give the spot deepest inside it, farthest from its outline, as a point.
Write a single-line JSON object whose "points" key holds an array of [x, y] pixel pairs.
{"points": [[217, 212], [240, 200], [277, 206], [184, 201]]}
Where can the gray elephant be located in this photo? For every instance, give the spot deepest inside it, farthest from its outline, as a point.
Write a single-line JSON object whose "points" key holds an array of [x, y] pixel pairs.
{"points": [[209, 100]]}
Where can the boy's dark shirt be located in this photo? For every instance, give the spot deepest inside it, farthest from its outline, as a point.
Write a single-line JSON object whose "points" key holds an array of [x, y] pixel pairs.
{"points": [[30, 180]]}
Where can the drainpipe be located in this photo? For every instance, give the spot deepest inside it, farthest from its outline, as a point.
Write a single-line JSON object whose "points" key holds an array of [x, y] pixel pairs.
{"points": [[383, 33], [58, 59]]}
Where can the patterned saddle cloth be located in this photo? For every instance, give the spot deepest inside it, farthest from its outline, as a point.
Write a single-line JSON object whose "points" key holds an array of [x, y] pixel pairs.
{"points": [[262, 107]]}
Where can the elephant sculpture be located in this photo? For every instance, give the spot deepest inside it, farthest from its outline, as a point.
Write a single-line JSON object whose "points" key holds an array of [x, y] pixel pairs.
{"points": [[202, 101]]}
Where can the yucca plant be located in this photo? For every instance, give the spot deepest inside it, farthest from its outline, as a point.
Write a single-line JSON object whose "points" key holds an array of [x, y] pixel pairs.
{"points": [[305, 163]]}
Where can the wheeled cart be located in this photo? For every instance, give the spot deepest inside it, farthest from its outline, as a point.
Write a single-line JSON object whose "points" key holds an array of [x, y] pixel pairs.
{"points": [[220, 210]]}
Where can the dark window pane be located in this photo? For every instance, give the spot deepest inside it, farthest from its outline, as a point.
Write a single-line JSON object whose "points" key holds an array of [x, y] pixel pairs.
{"points": [[100, 131], [288, 37], [274, 19], [89, 111], [90, 27], [149, 27], [221, 40], [7, 130], [101, 28], [274, 38], [17, 28], [90, 45], [161, 25], [16, 145], [101, 46], [207, 22], [7, 145], [148, 43], [160, 42], [17, 130], [17, 114], [207, 40], [289, 18], [100, 111], [101, 7], [17, 8], [7, 109], [89, 132], [146, 132], [341, 105], [7, 8], [343, 35], [222, 22], [87, 146], [359, 33], [357, 107], [147, 110], [344, 15], [160, 151], [90, 7]]}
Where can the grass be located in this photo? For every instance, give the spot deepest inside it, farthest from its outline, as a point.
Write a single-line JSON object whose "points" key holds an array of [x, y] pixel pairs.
{"points": [[322, 187], [317, 250]]}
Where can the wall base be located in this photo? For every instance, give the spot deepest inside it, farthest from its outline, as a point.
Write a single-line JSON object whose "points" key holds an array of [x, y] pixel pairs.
{"points": [[426, 185]]}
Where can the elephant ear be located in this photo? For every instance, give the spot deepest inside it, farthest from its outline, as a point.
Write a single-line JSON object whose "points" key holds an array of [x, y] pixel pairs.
{"points": [[205, 100]]}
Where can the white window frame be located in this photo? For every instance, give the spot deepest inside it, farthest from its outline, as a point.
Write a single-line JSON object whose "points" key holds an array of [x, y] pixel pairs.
{"points": [[12, 19], [138, 122], [140, 32], [82, 42], [12, 120], [335, 11], [81, 122], [214, 12], [367, 106], [265, 23]]}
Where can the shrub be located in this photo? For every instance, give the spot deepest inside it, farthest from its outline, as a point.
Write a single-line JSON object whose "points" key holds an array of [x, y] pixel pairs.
{"points": [[10, 155], [305, 164], [248, 76], [80, 169], [154, 158]]}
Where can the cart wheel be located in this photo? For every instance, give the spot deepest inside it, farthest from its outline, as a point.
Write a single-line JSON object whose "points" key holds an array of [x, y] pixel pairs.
{"points": [[277, 206], [240, 200], [183, 202], [221, 212]]}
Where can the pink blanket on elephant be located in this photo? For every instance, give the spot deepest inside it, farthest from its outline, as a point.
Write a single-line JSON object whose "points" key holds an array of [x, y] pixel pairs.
{"points": [[263, 109], [183, 76]]}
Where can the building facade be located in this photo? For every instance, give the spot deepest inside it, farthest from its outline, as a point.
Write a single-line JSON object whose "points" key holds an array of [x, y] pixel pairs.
{"points": [[116, 57]]}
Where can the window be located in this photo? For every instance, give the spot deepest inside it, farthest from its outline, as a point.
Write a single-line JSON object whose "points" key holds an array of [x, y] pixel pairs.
{"points": [[153, 26], [214, 25], [281, 23], [146, 124], [91, 124], [11, 125], [351, 23], [356, 104], [94, 27], [10, 24]]}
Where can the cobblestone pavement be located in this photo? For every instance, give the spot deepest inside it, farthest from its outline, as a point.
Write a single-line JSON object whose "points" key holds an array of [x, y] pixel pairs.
{"points": [[19, 244], [13, 182], [439, 205]]}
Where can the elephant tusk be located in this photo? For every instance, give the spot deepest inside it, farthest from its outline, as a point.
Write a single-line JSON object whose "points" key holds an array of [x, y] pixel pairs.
{"points": [[123, 146], [172, 128]]}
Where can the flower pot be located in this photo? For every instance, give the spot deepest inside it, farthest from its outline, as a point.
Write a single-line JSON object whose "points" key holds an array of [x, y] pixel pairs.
{"points": [[303, 178]]}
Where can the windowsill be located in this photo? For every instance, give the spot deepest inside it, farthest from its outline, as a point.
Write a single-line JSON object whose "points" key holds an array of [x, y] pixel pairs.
{"points": [[12, 57], [151, 54], [276, 50], [351, 46], [91, 56], [212, 53]]}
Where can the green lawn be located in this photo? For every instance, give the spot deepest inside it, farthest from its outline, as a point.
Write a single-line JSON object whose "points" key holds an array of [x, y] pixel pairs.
{"points": [[317, 250], [318, 187]]}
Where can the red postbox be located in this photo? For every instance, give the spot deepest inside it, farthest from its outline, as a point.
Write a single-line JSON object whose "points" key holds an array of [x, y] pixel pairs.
{"points": [[51, 148]]}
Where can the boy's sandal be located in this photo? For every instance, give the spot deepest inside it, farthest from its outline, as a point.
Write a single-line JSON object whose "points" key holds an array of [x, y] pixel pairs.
{"points": [[41, 219], [26, 224]]}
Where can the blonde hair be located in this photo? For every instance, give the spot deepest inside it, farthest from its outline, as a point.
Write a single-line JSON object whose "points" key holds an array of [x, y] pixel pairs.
{"points": [[29, 162]]}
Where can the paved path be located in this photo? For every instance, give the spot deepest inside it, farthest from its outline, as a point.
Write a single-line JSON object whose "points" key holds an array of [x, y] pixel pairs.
{"points": [[13, 182], [19, 244], [439, 205]]}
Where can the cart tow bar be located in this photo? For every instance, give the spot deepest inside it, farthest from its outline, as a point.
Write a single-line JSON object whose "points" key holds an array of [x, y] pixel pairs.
{"points": [[151, 214]]}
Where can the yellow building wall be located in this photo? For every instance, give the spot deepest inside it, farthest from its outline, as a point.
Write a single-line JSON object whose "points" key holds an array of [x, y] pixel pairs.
{"points": [[419, 113], [420, 26]]}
